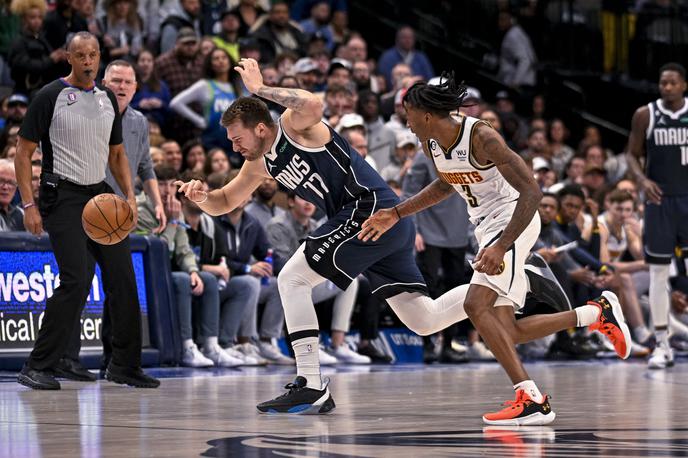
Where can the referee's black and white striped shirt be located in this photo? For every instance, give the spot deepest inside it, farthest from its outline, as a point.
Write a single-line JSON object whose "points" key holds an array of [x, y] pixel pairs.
{"points": [[75, 128]]}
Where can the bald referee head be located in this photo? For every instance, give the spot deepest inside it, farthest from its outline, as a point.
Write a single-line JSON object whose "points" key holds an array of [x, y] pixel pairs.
{"points": [[84, 57]]}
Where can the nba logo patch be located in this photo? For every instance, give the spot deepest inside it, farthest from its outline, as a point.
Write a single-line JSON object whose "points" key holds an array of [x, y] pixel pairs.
{"points": [[71, 98]]}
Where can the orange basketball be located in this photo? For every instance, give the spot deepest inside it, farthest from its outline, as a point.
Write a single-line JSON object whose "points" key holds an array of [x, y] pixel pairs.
{"points": [[107, 219]]}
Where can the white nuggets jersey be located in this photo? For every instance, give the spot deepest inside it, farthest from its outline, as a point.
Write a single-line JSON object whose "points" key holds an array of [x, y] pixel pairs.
{"points": [[483, 187], [616, 247]]}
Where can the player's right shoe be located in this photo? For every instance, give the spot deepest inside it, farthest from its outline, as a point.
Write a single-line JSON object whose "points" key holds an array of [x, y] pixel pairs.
{"points": [[543, 285], [662, 357], [611, 323], [300, 400], [522, 411]]}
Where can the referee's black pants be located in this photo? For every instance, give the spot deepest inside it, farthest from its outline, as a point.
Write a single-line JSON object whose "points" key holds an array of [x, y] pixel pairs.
{"points": [[61, 210]]}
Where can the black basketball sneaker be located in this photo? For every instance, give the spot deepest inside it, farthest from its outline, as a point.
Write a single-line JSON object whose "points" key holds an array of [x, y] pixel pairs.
{"points": [[544, 286], [300, 400]]}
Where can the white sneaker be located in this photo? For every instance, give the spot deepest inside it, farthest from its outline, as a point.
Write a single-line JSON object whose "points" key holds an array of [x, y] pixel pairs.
{"points": [[478, 351], [326, 359], [662, 357], [194, 358], [638, 350], [274, 355], [220, 357], [245, 360], [346, 355], [251, 353]]}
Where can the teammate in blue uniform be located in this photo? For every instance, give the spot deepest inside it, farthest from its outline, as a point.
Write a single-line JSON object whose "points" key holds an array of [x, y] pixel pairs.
{"points": [[308, 157], [660, 133]]}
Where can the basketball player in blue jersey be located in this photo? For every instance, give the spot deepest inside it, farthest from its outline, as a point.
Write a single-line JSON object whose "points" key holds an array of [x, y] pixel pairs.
{"points": [[659, 131], [502, 196], [310, 158]]}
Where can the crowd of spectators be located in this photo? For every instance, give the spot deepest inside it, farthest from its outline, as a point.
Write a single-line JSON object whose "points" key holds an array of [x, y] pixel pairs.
{"points": [[185, 52]]}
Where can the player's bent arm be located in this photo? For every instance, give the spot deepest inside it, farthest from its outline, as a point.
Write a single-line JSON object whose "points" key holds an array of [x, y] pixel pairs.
{"points": [[304, 110], [636, 142], [490, 146], [235, 192], [22, 165]]}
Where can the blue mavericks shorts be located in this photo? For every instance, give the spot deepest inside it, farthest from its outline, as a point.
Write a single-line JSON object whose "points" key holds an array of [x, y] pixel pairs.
{"points": [[334, 251], [665, 229]]}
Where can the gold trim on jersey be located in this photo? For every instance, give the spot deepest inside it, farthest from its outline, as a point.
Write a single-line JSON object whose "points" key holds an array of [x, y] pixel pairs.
{"points": [[456, 141], [471, 158]]}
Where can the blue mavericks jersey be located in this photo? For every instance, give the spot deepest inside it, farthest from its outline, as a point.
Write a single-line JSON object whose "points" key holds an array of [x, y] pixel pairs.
{"points": [[666, 147], [332, 177]]}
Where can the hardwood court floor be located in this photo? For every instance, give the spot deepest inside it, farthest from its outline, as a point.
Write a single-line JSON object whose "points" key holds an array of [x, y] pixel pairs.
{"points": [[603, 409]]}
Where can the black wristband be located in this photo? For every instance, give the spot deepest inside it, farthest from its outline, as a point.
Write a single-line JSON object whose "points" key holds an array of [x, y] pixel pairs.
{"points": [[397, 210]]}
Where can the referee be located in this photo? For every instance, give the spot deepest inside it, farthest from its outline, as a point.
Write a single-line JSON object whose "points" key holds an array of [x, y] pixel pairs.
{"points": [[73, 119], [120, 78]]}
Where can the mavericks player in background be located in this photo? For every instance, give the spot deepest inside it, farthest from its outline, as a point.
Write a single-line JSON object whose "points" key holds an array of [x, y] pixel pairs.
{"points": [[659, 130], [472, 159]]}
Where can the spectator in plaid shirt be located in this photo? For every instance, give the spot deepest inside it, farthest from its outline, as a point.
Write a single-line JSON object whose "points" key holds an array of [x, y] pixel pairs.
{"points": [[180, 68]]}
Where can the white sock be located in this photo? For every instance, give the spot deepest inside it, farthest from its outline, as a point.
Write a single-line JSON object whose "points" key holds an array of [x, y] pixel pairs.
{"points": [[306, 351], [211, 343], [586, 315], [188, 343], [662, 337], [641, 333], [529, 387], [659, 295]]}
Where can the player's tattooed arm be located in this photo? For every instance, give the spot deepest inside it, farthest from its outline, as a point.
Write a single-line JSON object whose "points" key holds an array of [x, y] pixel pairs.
{"points": [[489, 146], [432, 194]]}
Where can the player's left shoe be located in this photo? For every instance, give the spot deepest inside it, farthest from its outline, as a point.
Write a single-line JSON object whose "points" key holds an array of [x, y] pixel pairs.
{"points": [[612, 324], [522, 411], [300, 400]]}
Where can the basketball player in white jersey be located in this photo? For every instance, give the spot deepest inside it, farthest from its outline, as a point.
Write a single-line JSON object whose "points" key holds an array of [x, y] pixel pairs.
{"points": [[472, 159]]}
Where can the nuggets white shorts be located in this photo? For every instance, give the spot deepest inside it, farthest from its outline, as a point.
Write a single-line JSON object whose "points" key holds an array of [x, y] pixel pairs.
{"points": [[511, 285]]}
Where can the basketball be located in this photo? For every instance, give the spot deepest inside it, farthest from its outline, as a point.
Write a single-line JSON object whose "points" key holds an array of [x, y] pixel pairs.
{"points": [[107, 219]]}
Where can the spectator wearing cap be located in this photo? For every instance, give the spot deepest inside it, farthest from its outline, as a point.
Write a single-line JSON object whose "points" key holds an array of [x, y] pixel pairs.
{"points": [[180, 68], [594, 179], [406, 149], [339, 101], [185, 15], [249, 12], [33, 62], [228, 37], [357, 139], [339, 72], [276, 34], [17, 104], [405, 51], [472, 103], [397, 122], [542, 171], [11, 216], [307, 73], [517, 59], [319, 23], [381, 140]]}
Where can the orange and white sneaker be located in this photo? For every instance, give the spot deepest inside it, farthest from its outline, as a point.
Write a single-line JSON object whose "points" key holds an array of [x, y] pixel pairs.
{"points": [[522, 411], [612, 324]]}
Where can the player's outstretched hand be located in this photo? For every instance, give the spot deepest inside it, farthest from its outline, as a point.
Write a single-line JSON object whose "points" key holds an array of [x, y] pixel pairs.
{"points": [[378, 224], [250, 73], [194, 190]]}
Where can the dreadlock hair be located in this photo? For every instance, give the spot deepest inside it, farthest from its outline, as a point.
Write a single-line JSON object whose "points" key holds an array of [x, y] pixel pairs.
{"points": [[439, 100]]}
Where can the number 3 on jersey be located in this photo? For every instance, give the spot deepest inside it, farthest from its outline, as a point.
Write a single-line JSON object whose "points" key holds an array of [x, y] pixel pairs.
{"points": [[470, 198]]}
